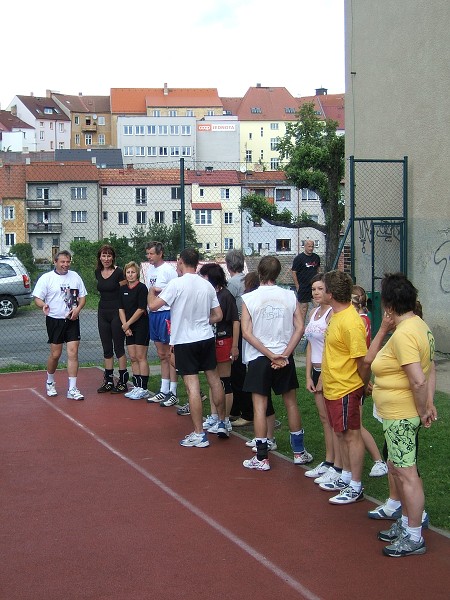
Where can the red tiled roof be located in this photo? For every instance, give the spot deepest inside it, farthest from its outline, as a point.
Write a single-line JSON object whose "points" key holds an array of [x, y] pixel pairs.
{"points": [[85, 104], [214, 177], [330, 106], [8, 122], [12, 181], [267, 103], [136, 100], [139, 176], [70, 172], [206, 206], [263, 177]]}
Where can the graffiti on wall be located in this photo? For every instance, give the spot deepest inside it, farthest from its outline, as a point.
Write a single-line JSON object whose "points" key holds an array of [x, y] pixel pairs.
{"points": [[442, 258]]}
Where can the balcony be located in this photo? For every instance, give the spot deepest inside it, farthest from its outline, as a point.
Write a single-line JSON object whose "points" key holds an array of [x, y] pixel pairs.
{"points": [[42, 228], [92, 127], [43, 204]]}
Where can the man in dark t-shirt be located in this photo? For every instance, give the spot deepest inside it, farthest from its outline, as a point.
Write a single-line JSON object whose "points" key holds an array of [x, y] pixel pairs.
{"points": [[305, 266]]}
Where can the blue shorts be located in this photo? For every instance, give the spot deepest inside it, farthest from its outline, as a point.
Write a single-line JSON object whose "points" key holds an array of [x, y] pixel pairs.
{"points": [[159, 323]]}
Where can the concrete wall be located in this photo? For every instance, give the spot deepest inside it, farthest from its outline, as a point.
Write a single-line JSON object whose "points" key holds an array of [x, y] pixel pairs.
{"points": [[397, 90]]}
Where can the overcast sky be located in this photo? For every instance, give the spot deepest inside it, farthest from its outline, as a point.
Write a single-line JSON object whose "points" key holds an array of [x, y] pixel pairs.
{"points": [[91, 46]]}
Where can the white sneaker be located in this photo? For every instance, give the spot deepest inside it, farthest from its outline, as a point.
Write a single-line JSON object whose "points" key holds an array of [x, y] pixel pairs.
{"points": [[379, 469], [74, 394], [271, 445], [210, 421], [321, 469], [131, 392], [51, 389], [330, 475], [302, 458]]}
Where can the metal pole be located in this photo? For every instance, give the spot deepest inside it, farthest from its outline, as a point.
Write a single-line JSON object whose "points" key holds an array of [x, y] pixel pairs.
{"points": [[352, 216], [183, 212]]}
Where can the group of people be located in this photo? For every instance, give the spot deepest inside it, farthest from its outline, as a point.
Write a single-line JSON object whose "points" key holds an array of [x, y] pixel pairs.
{"points": [[243, 336]]}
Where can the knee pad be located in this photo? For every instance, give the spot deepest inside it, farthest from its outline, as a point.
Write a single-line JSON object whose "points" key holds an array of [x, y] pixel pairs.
{"points": [[226, 382]]}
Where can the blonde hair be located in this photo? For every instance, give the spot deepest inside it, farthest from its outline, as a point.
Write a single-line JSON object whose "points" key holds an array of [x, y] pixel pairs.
{"points": [[359, 298], [132, 265]]}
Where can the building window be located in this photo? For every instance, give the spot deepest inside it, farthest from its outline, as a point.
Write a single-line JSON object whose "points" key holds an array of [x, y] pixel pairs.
{"points": [[128, 151], [255, 110], [173, 113], [105, 215], [261, 155], [274, 164], [8, 213], [61, 145], [122, 218], [283, 195], [10, 239], [210, 113], [140, 150], [159, 216], [76, 120], [128, 130], [156, 112], [79, 238], [39, 243], [163, 130], [248, 156], [228, 243], [174, 130], [186, 150], [309, 195], [101, 139], [201, 192], [283, 245], [274, 143], [175, 193], [56, 241], [104, 191], [61, 127], [51, 126], [176, 216], [151, 129], [289, 110], [262, 131], [152, 151], [228, 218], [174, 150], [139, 129], [250, 135], [77, 139], [41, 135], [101, 121], [190, 113], [224, 193], [79, 216], [42, 193], [141, 218], [164, 151], [78, 193], [203, 217], [140, 195], [186, 130], [274, 126]]}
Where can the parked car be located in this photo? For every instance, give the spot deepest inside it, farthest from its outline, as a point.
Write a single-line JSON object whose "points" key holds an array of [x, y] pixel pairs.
{"points": [[15, 286]]}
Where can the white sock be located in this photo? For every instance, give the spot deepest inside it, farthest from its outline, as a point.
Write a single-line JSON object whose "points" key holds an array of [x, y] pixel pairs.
{"points": [[173, 387], [405, 521], [165, 386], [356, 485], [72, 382], [346, 476], [393, 504], [50, 377], [415, 533]]}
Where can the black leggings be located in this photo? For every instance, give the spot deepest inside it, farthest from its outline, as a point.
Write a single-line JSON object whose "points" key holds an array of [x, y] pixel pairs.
{"points": [[111, 333]]}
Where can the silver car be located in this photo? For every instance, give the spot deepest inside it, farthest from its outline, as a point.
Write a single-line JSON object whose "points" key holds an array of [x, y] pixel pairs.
{"points": [[15, 286]]}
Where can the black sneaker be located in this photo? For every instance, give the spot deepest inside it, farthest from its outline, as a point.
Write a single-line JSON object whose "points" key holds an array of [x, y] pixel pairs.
{"points": [[106, 386], [119, 388]]}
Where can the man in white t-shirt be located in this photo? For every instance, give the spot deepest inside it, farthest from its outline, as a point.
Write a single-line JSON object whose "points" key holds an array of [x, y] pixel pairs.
{"points": [[194, 307], [157, 277], [272, 326], [61, 294]]}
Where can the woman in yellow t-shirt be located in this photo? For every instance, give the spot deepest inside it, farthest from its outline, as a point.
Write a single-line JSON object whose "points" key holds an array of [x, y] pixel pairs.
{"points": [[402, 369]]}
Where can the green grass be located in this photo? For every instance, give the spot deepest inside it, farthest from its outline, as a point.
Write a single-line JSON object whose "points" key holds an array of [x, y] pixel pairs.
{"points": [[434, 443], [434, 446]]}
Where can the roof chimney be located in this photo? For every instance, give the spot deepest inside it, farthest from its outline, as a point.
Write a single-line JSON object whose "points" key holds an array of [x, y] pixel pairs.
{"points": [[80, 93], [258, 85], [321, 91], [166, 90]]}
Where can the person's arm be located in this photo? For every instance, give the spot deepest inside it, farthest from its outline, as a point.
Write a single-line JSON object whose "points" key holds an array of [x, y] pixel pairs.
{"points": [[387, 325], [294, 277], [154, 302], [42, 304], [215, 315], [235, 347], [363, 369], [431, 388], [309, 382], [419, 389]]}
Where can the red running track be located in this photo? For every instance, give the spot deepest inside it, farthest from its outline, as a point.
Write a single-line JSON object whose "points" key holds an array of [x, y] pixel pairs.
{"points": [[99, 501]]}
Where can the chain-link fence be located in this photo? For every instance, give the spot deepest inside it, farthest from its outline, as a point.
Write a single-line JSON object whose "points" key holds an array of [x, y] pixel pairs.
{"points": [[57, 206]]}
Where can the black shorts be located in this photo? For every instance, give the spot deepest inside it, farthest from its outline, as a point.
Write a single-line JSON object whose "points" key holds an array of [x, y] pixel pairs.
{"points": [[192, 358], [261, 378], [141, 334], [62, 330]]}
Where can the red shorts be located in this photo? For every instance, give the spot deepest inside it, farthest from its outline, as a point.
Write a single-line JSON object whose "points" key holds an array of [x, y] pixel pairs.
{"points": [[345, 412], [223, 349]]}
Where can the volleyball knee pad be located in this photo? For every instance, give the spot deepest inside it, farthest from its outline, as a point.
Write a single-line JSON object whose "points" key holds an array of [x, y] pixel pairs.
{"points": [[226, 382]]}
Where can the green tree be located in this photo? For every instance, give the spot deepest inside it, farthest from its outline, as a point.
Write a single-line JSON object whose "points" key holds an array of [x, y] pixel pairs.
{"points": [[24, 253], [315, 156]]}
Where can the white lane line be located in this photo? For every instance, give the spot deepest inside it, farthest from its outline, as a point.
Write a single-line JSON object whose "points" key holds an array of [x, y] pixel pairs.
{"points": [[260, 558]]}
